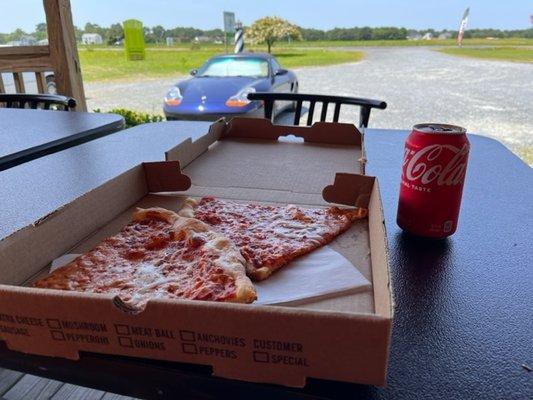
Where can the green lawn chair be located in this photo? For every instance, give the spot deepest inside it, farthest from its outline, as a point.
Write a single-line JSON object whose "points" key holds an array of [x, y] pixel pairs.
{"points": [[134, 40]]}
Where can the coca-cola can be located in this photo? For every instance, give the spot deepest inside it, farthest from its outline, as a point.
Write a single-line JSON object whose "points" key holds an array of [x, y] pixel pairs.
{"points": [[433, 173]]}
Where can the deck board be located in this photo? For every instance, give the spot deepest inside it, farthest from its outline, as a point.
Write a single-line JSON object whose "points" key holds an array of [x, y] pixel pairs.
{"points": [[16, 385], [69, 391], [8, 379], [33, 387]]}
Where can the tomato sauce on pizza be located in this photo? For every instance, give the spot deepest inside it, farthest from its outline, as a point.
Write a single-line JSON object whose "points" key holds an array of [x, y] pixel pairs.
{"points": [[159, 255], [270, 236]]}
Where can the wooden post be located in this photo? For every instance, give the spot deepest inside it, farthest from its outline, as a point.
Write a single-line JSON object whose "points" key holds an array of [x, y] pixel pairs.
{"points": [[41, 82], [18, 79], [63, 51]]}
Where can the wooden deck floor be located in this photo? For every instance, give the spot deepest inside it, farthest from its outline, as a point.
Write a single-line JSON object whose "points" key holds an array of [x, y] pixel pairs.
{"points": [[19, 386]]}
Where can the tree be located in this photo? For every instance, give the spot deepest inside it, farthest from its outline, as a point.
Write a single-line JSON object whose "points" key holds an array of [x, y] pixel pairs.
{"points": [[78, 33], [148, 35], [269, 29], [159, 33], [95, 28], [40, 31], [114, 34], [312, 34], [16, 35]]}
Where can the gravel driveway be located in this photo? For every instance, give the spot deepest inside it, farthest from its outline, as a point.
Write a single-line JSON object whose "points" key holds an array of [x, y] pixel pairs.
{"points": [[493, 98]]}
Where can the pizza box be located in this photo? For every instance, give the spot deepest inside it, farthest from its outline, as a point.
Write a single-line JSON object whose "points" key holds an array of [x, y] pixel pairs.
{"points": [[344, 338]]}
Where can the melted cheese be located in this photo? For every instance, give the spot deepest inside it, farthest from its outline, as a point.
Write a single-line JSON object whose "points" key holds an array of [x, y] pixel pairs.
{"points": [[270, 236], [145, 260]]}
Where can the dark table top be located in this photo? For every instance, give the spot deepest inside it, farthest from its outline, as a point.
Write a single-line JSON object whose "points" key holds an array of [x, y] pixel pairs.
{"points": [[29, 134], [463, 315]]}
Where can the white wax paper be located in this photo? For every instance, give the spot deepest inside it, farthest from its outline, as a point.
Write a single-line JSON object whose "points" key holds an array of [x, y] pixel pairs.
{"points": [[319, 274]]}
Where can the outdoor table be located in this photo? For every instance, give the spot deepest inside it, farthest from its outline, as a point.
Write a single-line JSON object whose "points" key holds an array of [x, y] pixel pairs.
{"points": [[463, 321], [29, 134]]}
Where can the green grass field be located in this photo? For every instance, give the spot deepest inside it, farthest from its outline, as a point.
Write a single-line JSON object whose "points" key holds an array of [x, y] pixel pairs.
{"points": [[518, 54], [107, 63]]}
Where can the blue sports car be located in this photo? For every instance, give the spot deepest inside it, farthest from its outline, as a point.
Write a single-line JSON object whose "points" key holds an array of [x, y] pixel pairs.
{"points": [[221, 86]]}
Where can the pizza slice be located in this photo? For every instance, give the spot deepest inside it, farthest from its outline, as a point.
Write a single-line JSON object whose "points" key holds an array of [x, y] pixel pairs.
{"points": [[269, 236], [159, 255]]}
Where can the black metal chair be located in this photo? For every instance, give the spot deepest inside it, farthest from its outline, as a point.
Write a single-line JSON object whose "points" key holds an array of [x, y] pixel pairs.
{"points": [[364, 115], [38, 101]]}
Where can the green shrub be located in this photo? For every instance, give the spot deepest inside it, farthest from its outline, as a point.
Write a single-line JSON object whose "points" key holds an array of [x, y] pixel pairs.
{"points": [[133, 118]]}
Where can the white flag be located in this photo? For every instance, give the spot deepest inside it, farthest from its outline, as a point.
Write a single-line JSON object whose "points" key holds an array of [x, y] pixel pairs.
{"points": [[462, 27]]}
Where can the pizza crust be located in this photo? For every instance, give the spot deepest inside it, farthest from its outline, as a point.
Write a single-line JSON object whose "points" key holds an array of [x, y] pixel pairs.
{"points": [[228, 257], [292, 226], [157, 213], [221, 251], [259, 274], [187, 207], [187, 211]]}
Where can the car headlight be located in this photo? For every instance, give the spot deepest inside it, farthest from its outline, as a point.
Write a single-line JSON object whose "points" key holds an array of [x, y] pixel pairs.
{"points": [[241, 98], [173, 97]]}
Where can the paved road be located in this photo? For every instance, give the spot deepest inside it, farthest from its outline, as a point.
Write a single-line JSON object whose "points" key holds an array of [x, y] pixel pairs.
{"points": [[490, 97], [493, 98]]}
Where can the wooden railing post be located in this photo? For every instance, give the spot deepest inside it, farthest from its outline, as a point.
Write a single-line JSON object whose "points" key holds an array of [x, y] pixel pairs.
{"points": [[63, 51]]}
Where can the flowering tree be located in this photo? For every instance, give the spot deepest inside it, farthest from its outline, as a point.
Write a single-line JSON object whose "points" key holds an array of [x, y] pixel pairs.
{"points": [[269, 29]]}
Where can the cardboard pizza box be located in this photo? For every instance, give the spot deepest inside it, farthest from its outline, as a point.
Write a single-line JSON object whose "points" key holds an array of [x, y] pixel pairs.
{"points": [[343, 338]]}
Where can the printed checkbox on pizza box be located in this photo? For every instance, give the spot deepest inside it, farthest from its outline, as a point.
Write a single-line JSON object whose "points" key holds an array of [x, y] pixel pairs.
{"points": [[125, 341], [187, 336], [189, 348], [122, 329], [261, 356], [58, 335]]}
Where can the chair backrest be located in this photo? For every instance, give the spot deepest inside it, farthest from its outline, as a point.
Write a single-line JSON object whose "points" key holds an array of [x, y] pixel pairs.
{"points": [[36, 65], [366, 105], [42, 101]]}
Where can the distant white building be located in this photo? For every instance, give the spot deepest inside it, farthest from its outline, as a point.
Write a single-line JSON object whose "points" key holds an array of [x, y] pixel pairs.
{"points": [[413, 35], [23, 41], [43, 42], [202, 39], [91, 38], [427, 36]]}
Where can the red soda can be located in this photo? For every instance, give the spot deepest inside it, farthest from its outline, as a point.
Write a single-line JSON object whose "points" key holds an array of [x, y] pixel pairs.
{"points": [[433, 173]]}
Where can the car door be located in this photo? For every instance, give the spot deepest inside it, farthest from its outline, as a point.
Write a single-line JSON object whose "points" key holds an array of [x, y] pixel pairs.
{"points": [[280, 84]]}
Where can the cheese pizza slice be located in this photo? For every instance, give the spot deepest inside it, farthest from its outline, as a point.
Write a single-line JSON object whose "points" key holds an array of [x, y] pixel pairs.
{"points": [[270, 236], [160, 254]]}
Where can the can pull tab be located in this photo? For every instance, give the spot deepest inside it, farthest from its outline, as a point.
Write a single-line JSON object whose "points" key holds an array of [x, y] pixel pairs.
{"points": [[440, 128]]}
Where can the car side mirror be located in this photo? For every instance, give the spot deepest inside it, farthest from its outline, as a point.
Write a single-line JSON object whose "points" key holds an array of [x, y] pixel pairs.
{"points": [[280, 72], [193, 72]]}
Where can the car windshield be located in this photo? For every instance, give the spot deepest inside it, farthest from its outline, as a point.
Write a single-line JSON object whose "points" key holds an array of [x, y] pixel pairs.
{"points": [[229, 66]]}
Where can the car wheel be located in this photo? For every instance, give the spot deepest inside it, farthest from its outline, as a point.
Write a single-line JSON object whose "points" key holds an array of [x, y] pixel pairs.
{"points": [[51, 85]]}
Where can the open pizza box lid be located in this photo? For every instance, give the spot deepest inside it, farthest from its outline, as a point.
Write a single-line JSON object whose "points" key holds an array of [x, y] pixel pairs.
{"points": [[339, 338]]}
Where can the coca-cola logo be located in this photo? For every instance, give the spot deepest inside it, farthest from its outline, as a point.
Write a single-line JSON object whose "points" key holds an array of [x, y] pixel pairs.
{"points": [[441, 163]]}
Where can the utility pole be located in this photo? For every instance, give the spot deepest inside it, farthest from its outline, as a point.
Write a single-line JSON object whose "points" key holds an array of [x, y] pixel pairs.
{"points": [[229, 26]]}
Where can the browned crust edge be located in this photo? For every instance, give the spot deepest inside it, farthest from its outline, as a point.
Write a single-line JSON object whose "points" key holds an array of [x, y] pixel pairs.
{"points": [[230, 258]]}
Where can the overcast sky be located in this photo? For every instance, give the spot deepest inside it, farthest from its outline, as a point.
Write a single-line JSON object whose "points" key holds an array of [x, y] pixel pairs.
{"points": [[322, 14]]}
